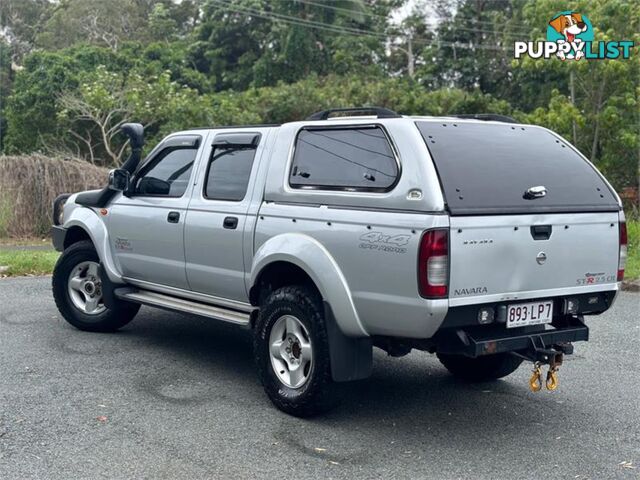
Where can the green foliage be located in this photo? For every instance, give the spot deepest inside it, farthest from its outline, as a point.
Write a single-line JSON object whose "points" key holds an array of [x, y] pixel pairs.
{"points": [[244, 43], [226, 45], [162, 26], [113, 22], [558, 116], [632, 271], [288, 102], [21, 21], [469, 50], [31, 108], [104, 100], [5, 86]]}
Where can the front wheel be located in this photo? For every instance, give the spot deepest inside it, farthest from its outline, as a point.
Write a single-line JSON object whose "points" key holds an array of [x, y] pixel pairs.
{"points": [[480, 369], [77, 291], [291, 350]]}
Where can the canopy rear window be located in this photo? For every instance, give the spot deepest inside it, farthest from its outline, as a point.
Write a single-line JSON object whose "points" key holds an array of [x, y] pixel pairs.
{"points": [[344, 158], [486, 168]]}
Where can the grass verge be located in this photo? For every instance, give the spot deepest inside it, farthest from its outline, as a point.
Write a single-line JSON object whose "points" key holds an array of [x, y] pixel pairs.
{"points": [[27, 262], [632, 270]]}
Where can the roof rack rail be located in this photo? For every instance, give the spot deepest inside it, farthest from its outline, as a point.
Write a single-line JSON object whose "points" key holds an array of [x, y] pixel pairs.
{"points": [[378, 111], [222, 127], [487, 117]]}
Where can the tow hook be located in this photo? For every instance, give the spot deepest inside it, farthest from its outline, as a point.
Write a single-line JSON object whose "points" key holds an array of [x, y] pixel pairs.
{"points": [[535, 382], [549, 356], [552, 378]]}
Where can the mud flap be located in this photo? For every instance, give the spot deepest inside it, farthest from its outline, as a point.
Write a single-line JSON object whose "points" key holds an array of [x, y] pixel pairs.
{"points": [[351, 358], [108, 288], [58, 235]]}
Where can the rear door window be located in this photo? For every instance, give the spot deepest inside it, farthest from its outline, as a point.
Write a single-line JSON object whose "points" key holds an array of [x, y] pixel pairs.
{"points": [[486, 168], [229, 172], [353, 159]]}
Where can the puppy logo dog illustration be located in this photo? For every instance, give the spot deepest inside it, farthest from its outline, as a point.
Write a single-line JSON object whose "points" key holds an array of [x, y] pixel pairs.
{"points": [[570, 26]]}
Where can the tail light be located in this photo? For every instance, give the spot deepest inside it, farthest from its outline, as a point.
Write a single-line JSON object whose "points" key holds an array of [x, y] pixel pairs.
{"points": [[622, 257], [433, 263]]}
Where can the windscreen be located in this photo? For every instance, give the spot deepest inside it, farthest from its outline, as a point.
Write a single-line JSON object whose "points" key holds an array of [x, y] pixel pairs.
{"points": [[491, 168]]}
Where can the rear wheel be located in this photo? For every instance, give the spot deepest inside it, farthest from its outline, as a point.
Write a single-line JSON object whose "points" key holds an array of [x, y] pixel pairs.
{"points": [[77, 290], [292, 352], [480, 369]]}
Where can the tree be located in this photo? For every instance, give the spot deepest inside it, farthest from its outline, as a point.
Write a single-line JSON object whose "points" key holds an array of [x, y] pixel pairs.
{"points": [[246, 43], [408, 38], [6, 79], [94, 113], [31, 109], [473, 46], [228, 43], [20, 21], [110, 23]]}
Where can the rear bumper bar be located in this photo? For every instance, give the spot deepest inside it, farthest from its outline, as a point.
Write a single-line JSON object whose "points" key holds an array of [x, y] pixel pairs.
{"points": [[478, 342]]}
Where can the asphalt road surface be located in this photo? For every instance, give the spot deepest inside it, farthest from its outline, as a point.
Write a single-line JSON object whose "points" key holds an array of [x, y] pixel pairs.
{"points": [[174, 396]]}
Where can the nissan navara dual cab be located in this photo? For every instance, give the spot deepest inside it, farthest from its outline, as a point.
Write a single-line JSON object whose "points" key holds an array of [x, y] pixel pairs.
{"points": [[479, 239]]}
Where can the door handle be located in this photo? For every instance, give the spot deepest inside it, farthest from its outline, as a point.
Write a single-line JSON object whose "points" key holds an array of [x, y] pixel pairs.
{"points": [[541, 232], [230, 222], [173, 217]]}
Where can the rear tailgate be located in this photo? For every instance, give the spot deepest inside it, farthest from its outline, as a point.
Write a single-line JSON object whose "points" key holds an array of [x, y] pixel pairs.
{"points": [[507, 240], [496, 258]]}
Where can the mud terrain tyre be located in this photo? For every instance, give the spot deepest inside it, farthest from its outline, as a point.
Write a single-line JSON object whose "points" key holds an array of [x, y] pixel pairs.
{"points": [[291, 351]]}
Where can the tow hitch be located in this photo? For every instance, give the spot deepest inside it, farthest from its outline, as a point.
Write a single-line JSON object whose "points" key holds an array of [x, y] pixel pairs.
{"points": [[540, 355], [546, 347]]}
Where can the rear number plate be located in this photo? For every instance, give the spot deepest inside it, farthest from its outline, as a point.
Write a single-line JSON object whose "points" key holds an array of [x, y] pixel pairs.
{"points": [[535, 313]]}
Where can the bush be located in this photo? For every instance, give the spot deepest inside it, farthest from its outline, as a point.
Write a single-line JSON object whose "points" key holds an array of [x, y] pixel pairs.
{"points": [[29, 184]]}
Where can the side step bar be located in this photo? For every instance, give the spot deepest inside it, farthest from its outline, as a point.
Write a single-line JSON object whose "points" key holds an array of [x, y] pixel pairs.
{"points": [[160, 300]]}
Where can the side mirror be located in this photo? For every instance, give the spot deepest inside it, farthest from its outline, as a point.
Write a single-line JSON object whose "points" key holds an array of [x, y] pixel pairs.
{"points": [[119, 180]]}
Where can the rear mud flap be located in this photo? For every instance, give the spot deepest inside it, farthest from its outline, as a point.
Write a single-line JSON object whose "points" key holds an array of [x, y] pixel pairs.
{"points": [[351, 358]]}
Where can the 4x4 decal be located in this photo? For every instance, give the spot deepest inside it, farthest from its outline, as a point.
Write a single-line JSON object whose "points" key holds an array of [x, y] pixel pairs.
{"points": [[384, 243]]}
